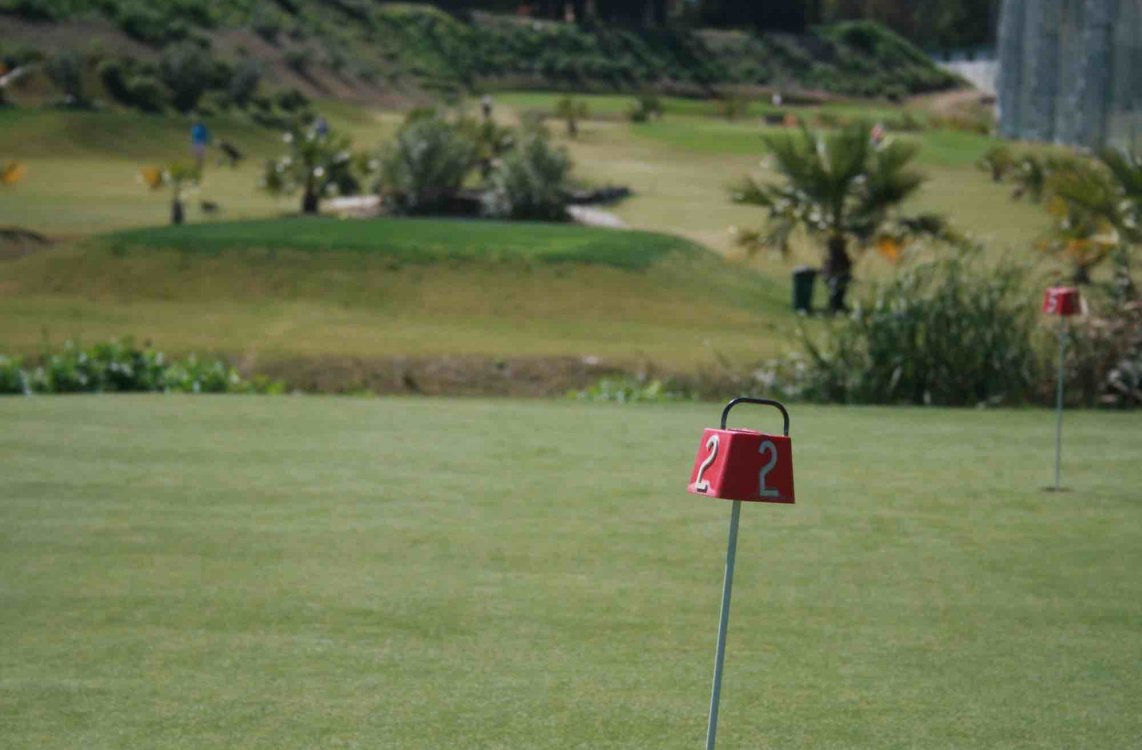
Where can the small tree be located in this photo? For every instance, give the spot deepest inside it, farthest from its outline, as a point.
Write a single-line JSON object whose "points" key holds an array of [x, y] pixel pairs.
{"points": [[841, 188], [571, 111], [1097, 213], [318, 163], [530, 182], [177, 176], [424, 167], [998, 161]]}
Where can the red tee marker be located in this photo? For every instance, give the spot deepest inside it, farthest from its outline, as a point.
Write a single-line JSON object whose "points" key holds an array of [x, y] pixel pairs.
{"points": [[1061, 300], [743, 466]]}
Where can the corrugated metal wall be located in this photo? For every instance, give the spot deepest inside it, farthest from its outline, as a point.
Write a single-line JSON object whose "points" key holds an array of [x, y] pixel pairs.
{"points": [[1070, 71]]}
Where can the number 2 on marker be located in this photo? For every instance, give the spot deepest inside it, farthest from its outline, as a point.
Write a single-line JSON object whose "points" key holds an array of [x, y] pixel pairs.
{"points": [[762, 490], [711, 445]]}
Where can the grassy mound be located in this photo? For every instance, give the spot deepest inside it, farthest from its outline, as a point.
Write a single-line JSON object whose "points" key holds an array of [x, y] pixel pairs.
{"points": [[297, 288]]}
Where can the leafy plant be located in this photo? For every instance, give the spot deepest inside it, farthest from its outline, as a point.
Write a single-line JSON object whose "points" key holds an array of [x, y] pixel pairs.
{"points": [[424, 167], [571, 111], [633, 390], [646, 108], [841, 188], [186, 69], [13, 379], [490, 140], [997, 161], [530, 182], [66, 73], [1096, 210], [319, 163], [1103, 356], [244, 82], [733, 106], [121, 366]]}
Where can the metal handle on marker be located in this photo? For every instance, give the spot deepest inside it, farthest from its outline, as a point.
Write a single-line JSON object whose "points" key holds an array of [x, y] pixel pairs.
{"points": [[761, 402]]}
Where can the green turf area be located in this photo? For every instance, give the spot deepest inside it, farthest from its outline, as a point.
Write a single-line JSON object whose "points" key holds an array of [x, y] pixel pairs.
{"points": [[421, 240], [207, 572], [382, 288]]}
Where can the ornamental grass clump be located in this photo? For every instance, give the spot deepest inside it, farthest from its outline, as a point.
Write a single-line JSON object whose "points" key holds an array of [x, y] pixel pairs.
{"points": [[948, 332]]}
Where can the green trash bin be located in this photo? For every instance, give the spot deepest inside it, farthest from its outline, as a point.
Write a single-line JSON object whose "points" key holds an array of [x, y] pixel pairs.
{"points": [[804, 278]]}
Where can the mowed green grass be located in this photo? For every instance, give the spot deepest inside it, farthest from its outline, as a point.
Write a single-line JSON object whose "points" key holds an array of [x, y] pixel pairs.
{"points": [[181, 572], [419, 240], [273, 289]]}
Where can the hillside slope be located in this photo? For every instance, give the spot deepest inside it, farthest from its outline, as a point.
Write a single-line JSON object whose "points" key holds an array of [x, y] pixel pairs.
{"points": [[363, 50], [321, 302]]}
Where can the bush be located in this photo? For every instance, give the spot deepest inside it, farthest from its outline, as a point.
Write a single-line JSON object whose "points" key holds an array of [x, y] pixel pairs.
{"points": [[244, 82], [38, 10], [146, 93], [13, 379], [266, 22], [530, 182], [629, 389], [149, 24], [298, 60], [733, 106], [66, 73], [646, 108], [423, 169], [1103, 358], [113, 75], [186, 69], [120, 366], [945, 332]]}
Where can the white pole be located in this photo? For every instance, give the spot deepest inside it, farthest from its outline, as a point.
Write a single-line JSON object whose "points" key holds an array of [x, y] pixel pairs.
{"points": [[723, 624], [1059, 400]]}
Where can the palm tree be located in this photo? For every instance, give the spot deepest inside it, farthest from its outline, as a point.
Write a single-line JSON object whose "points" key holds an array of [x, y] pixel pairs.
{"points": [[572, 111], [1098, 214], [842, 188], [319, 162], [177, 176]]}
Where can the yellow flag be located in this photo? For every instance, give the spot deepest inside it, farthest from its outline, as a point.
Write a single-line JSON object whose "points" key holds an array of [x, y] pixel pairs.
{"points": [[152, 177], [889, 247], [13, 172]]}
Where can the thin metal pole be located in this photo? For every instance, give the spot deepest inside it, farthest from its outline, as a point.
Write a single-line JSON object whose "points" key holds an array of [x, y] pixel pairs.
{"points": [[1059, 401], [723, 624]]}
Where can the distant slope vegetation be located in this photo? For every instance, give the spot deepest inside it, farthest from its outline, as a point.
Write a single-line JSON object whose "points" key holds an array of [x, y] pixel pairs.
{"points": [[363, 47]]}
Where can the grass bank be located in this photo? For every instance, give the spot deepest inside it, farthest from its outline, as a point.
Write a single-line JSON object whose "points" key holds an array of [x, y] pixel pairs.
{"points": [[390, 287]]}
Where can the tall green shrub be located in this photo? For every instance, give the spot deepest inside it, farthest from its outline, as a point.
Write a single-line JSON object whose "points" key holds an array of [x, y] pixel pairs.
{"points": [[187, 71], [530, 182], [425, 166], [948, 332]]}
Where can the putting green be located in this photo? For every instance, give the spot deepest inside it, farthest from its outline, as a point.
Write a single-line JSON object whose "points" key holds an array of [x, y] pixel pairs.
{"points": [[202, 572]]}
